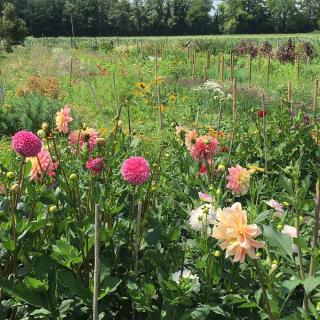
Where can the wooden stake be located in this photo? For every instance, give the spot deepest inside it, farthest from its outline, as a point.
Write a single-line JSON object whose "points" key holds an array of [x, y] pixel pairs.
{"points": [[208, 59], [71, 71], [193, 67], [259, 66], [222, 68], [290, 94], [298, 68], [96, 261], [250, 69], [231, 65], [158, 91], [315, 95], [268, 69], [234, 97], [204, 73], [218, 66]]}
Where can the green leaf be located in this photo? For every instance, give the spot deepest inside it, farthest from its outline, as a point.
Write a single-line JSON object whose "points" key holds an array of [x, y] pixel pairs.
{"points": [[23, 293], [286, 184], [65, 254], [201, 312], [301, 243], [109, 285], [279, 240], [291, 284], [262, 216], [310, 284], [248, 305], [34, 283]]}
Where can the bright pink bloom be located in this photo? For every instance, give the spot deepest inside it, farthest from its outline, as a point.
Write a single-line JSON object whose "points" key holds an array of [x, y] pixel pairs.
{"points": [[42, 165], [82, 138], [204, 148], [26, 143], [261, 113], [96, 165], [135, 170], [238, 180], [63, 118]]}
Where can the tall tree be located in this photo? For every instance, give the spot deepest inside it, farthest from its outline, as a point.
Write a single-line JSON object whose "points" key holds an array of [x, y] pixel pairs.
{"points": [[199, 18]]}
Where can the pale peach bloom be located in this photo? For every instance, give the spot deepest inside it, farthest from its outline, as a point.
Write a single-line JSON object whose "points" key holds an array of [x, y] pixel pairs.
{"points": [[236, 235], [42, 165], [63, 118], [238, 180], [191, 138]]}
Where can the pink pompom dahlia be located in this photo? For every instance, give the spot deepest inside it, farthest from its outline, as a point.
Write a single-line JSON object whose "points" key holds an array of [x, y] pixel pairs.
{"points": [[96, 165], [82, 138], [135, 170], [26, 143], [238, 180], [63, 118], [205, 148], [42, 165]]}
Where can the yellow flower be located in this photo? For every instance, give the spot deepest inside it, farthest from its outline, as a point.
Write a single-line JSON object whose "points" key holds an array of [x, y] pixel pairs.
{"points": [[315, 135], [254, 168], [161, 107], [140, 85], [172, 98]]}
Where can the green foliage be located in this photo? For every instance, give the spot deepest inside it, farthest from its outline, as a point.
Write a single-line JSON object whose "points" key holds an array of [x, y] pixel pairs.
{"points": [[12, 29]]}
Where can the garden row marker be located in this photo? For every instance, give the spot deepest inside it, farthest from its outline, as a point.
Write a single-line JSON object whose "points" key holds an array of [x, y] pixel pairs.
{"points": [[315, 95], [96, 261]]}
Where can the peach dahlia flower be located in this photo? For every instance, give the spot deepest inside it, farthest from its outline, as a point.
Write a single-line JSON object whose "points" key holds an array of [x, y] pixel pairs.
{"points": [[236, 235]]}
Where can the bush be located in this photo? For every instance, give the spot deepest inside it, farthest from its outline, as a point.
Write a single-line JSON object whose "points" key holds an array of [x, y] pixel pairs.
{"points": [[286, 52]]}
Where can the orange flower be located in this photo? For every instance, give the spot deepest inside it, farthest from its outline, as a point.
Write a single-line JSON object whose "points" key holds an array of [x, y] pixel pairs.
{"points": [[236, 235]]}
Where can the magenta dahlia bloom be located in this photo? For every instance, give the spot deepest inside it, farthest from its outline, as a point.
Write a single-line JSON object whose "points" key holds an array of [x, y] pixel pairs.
{"points": [[26, 143], [135, 170], [96, 165]]}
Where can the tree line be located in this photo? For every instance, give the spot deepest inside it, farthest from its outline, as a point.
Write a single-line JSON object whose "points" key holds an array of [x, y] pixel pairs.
{"points": [[165, 17]]}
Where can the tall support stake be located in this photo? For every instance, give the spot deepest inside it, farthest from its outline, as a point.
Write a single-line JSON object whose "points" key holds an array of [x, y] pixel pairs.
{"points": [[96, 261]]}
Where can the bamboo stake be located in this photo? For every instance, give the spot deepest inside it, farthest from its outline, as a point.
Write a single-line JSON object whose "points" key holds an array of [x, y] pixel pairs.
{"points": [[96, 261]]}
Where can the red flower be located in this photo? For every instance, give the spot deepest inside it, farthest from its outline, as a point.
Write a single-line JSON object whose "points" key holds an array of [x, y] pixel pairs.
{"points": [[262, 113], [224, 149], [96, 165]]}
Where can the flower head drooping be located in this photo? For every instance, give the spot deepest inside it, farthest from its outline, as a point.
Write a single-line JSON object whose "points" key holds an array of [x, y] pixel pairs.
{"points": [[201, 218], [238, 180], [82, 138], [42, 165], [135, 170], [96, 165], [26, 143], [191, 138], [277, 206], [63, 118], [204, 148], [236, 235]]}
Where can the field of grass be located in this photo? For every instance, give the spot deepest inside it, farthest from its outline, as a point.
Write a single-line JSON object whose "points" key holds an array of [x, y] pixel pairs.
{"points": [[231, 141]]}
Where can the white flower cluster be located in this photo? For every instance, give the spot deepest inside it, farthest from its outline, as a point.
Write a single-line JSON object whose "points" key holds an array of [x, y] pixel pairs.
{"points": [[202, 217], [187, 274]]}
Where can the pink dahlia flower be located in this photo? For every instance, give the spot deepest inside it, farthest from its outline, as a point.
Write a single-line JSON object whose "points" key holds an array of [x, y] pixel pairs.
{"points": [[26, 143], [63, 118], [42, 165], [204, 148], [277, 206], [96, 165], [205, 197], [135, 170], [238, 180], [82, 138]]}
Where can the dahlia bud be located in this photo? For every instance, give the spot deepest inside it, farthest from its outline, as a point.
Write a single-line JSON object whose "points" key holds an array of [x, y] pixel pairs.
{"points": [[218, 192], [15, 188], [41, 134], [301, 219], [221, 167], [258, 254], [120, 123], [10, 175], [53, 209], [217, 253], [84, 126], [45, 126], [73, 177], [252, 171], [101, 142], [280, 226]]}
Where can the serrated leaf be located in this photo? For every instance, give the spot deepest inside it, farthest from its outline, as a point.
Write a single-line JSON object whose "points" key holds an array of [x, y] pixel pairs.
{"points": [[310, 284]]}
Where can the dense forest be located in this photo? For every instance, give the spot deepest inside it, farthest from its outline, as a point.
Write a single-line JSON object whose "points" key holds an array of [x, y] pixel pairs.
{"points": [[166, 17]]}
